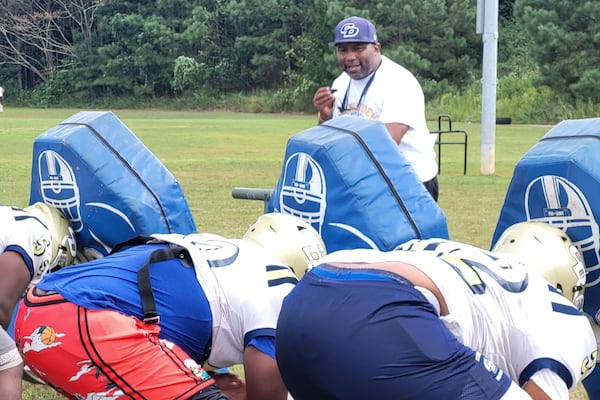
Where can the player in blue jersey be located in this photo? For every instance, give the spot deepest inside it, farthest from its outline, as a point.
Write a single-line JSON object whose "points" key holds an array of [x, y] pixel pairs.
{"points": [[33, 241], [141, 322], [438, 319]]}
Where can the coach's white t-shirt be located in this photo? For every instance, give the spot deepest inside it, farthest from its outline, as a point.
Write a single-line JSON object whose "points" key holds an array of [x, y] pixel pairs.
{"points": [[393, 95]]}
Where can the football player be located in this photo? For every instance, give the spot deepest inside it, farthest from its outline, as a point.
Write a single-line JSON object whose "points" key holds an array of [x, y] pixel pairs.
{"points": [[440, 319], [142, 321], [33, 241]]}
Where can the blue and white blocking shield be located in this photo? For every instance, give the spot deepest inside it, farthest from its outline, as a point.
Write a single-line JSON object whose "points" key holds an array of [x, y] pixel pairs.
{"points": [[558, 181], [106, 181], [348, 178]]}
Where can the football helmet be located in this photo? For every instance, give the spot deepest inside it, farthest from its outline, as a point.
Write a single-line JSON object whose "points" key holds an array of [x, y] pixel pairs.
{"points": [[549, 251], [290, 239], [63, 239]]}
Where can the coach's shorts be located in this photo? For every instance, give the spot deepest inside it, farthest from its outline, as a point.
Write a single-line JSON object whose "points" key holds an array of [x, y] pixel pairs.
{"points": [[88, 354], [371, 335]]}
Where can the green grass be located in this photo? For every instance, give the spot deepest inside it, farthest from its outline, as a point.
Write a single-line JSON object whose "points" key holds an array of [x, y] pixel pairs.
{"points": [[472, 202], [212, 152]]}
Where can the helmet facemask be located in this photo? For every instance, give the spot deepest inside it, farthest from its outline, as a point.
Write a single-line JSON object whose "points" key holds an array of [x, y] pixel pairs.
{"points": [[62, 237]]}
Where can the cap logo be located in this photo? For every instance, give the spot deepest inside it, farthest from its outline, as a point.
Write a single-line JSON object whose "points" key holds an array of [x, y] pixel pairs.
{"points": [[349, 30]]}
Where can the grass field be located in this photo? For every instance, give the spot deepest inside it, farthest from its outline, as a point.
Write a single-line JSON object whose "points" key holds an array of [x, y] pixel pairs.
{"points": [[212, 152]]}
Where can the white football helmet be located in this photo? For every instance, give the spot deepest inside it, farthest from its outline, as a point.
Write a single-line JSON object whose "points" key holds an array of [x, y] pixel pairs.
{"points": [[62, 236], [290, 239], [549, 251]]}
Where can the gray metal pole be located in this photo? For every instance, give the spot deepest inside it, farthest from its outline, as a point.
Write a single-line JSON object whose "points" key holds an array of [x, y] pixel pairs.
{"points": [[488, 81]]}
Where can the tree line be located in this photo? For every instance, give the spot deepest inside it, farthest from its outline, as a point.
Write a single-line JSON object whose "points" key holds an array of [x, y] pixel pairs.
{"points": [[86, 50]]}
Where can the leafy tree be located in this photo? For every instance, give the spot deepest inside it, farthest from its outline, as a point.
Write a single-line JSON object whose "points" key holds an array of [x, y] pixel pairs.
{"points": [[566, 39], [307, 49], [514, 54], [188, 74], [38, 35], [435, 39], [101, 49], [265, 32], [136, 45], [505, 10]]}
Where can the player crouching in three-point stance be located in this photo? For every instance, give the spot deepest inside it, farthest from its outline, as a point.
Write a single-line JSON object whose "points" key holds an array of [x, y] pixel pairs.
{"points": [[33, 241], [438, 319], [140, 322]]}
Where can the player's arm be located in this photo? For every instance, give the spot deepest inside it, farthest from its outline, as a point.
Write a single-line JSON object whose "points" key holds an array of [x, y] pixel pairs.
{"points": [[535, 391], [547, 384], [263, 381], [11, 368], [14, 278]]}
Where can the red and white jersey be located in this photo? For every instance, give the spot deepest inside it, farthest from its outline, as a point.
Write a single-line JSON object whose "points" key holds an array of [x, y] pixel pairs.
{"points": [[245, 287], [23, 233], [512, 316]]}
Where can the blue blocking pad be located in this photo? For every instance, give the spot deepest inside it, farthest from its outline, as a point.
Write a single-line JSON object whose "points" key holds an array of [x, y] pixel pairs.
{"points": [[348, 178], [558, 181], [106, 181]]}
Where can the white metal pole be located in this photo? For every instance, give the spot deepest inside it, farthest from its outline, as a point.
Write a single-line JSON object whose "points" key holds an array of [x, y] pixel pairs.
{"points": [[488, 81]]}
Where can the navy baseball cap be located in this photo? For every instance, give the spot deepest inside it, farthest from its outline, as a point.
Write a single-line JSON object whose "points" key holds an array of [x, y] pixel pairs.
{"points": [[354, 29]]}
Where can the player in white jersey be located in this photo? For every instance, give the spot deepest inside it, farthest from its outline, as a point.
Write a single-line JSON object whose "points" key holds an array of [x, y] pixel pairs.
{"points": [[173, 303], [491, 302], [32, 242]]}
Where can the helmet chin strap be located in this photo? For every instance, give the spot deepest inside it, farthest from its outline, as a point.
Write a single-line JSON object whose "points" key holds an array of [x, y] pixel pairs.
{"points": [[578, 298], [61, 259]]}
